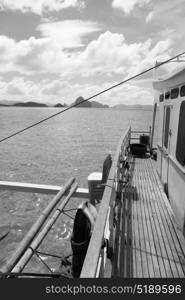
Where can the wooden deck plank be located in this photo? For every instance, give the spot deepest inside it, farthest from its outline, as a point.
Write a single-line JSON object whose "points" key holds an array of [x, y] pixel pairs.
{"points": [[136, 253], [150, 244], [160, 253], [136, 235], [171, 233], [167, 239], [126, 257], [130, 247], [154, 269], [180, 246], [123, 254], [166, 221], [169, 229], [160, 268], [144, 217]]}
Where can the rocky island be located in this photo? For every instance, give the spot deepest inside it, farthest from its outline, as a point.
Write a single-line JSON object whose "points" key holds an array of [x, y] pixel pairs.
{"points": [[92, 104]]}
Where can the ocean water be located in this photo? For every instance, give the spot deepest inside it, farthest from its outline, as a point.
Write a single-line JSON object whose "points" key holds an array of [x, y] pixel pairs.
{"points": [[73, 144]]}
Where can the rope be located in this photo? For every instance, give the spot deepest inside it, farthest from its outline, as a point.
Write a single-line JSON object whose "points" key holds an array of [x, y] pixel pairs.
{"points": [[91, 97], [49, 254], [40, 258]]}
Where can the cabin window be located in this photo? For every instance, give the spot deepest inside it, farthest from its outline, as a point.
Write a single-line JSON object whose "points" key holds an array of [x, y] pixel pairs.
{"points": [[161, 98], [180, 150], [167, 124], [167, 95], [182, 91], [174, 93]]}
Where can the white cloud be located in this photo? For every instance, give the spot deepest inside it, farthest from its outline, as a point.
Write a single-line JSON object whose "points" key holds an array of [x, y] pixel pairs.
{"points": [[6, 54], [128, 5], [109, 54], [54, 91], [21, 87], [149, 17], [39, 6], [105, 57], [31, 56], [68, 33], [159, 52], [55, 87]]}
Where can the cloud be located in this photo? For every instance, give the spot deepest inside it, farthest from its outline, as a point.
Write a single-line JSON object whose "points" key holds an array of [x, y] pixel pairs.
{"points": [[55, 87], [54, 91], [128, 5], [107, 55], [149, 17], [21, 87], [6, 46], [68, 33], [32, 56], [159, 52], [111, 54], [39, 6], [76, 72]]}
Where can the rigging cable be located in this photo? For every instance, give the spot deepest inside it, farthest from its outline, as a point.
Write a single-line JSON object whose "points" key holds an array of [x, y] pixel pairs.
{"points": [[89, 98]]}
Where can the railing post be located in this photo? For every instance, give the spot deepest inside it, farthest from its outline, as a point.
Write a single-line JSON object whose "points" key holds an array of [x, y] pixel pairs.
{"points": [[153, 125]]}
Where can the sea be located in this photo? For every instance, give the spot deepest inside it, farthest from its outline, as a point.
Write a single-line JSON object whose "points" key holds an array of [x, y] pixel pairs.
{"points": [[73, 144]]}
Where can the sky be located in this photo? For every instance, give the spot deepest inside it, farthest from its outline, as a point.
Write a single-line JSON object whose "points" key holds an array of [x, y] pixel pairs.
{"points": [[54, 51]]}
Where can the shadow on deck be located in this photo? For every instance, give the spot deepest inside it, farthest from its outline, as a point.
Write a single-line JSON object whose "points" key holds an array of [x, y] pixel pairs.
{"points": [[148, 242]]}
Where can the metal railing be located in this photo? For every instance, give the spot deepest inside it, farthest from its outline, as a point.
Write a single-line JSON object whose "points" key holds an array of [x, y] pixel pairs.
{"points": [[135, 134], [96, 257], [37, 233]]}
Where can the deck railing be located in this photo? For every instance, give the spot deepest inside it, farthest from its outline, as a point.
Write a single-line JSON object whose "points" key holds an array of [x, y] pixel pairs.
{"points": [[36, 234], [135, 135], [95, 262]]}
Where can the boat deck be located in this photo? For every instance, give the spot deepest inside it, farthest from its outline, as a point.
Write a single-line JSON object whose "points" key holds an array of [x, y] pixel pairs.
{"points": [[149, 243]]}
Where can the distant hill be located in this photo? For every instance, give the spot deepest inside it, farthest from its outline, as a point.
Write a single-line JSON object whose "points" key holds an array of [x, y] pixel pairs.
{"points": [[7, 102], [30, 104], [132, 107], [98, 105], [84, 104], [58, 105], [93, 104], [1, 104]]}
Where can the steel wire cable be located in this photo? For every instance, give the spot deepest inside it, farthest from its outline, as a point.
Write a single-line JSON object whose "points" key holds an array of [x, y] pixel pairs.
{"points": [[91, 97]]}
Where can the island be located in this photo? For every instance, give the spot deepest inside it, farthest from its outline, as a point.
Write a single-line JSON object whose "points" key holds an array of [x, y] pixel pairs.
{"points": [[30, 104], [59, 105], [9, 103], [81, 102], [132, 107]]}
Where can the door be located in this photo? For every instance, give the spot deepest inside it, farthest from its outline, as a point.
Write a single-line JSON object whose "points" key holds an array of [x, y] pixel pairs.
{"points": [[166, 147]]}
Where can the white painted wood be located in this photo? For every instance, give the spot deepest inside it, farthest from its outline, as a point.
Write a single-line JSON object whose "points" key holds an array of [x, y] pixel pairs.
{"points": [[95, 176], [39, 188], [95, 189]]}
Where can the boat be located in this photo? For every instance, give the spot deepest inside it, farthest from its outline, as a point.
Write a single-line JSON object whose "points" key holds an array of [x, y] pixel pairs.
{"points": [[132, 221]]}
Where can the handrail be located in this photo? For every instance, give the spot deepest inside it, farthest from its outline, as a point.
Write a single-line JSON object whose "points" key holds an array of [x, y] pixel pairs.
{"points": [[37, 241], [35, 228], [140, 131], [39, 188], [91, 262]]}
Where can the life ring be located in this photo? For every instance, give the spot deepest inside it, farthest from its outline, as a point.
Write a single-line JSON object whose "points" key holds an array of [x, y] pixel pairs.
{"points": [[82, 229]]}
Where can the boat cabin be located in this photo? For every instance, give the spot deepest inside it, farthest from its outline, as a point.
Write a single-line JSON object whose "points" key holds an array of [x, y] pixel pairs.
{"points": [[169, 95]]}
